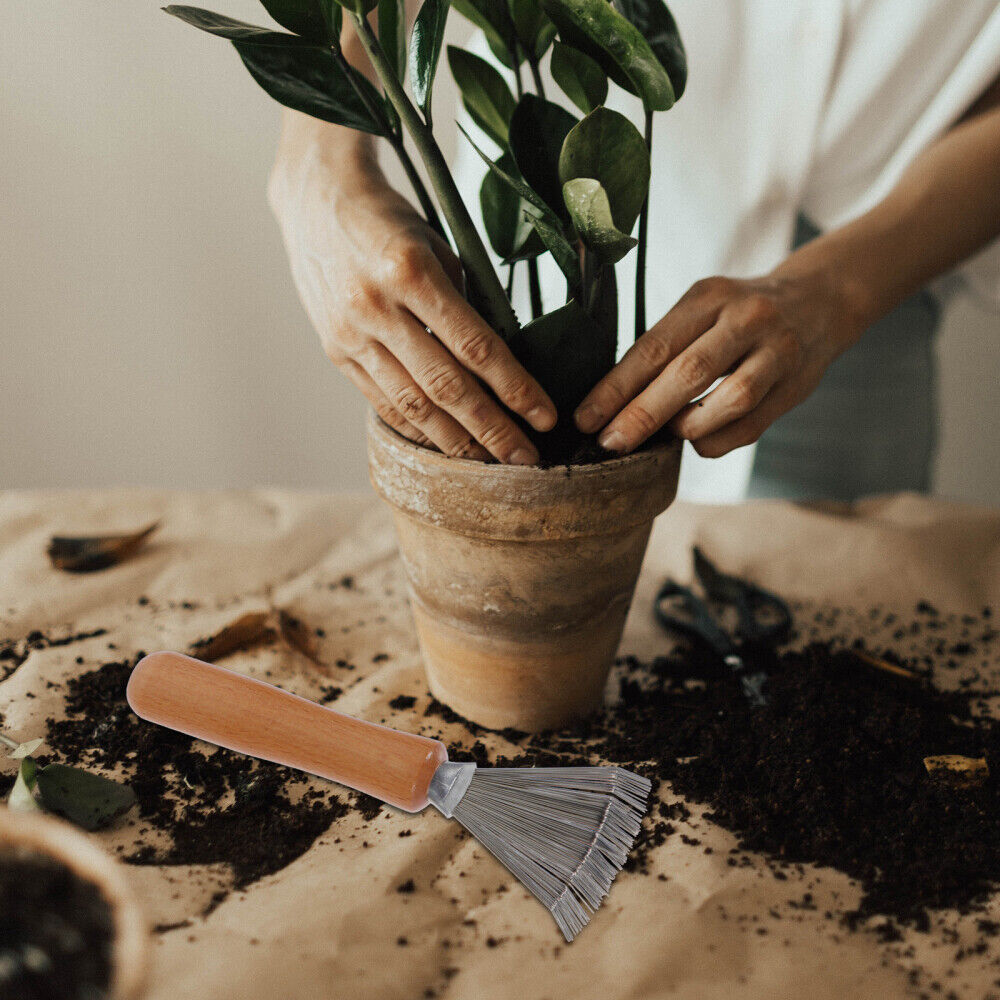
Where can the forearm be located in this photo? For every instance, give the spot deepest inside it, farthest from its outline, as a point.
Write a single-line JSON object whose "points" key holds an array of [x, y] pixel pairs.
{"points": [[944, 208]]}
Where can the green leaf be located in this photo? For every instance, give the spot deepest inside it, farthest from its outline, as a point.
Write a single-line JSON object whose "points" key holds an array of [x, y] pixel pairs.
{"points": [[493, 18], [425, 50], [658, 27], [601, 32], [311, 80], [609, 148], [567, 352], [362, 7], [510, 233], [551, 234], [228, 27], [392, 34], [22, 795], [537, 131], [512, 181], [304, 17], [89, 800], [590, 211], [533, 29], [485, 93], [579, 77]]}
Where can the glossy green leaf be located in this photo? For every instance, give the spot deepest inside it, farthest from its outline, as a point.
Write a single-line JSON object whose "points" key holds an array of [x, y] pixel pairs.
{"points": [[551, 234], [89, 800], [509, 231], [609, 148], [228, 27], [604, 305], [579, 77], [493, 18], [538, 129], [590, 211], [601, 32], [512, 181], [658, 27], [22, 795], [425, 50], [567, 352], [532, 27], [356, 6], [304, 17], [312, 81], [485, 93], [392, 34]]}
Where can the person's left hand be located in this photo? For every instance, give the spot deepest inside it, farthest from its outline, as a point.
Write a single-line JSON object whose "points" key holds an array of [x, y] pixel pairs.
{"points": [[773, 337]]}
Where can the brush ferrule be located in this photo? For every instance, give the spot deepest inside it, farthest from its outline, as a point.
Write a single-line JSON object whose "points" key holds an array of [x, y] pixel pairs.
{"points": [[449, 785]]}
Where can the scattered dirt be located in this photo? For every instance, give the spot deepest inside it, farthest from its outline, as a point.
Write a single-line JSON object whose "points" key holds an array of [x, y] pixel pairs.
{"points": [[55, 932]]}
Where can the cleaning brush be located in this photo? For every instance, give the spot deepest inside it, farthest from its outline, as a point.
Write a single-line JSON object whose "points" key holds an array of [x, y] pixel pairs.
{"points": [[563, 832]]}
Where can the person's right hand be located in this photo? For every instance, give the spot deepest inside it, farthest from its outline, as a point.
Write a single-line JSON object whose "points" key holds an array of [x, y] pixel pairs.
{"points": [[375, 279]]}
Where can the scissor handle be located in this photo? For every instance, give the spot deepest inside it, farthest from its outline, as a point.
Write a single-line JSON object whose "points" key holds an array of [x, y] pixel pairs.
{"points": [[762, 616], [700, 625]]}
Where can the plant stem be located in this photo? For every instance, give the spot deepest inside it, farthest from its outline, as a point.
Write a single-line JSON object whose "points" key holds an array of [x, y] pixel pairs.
{"points": [[537, 77], [488, 292], [640, 260], [8, 742], [396, 141], [534, 285]]}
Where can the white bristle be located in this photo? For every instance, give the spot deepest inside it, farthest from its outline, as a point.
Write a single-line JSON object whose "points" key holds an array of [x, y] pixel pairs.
{"points": [[564, 832]]}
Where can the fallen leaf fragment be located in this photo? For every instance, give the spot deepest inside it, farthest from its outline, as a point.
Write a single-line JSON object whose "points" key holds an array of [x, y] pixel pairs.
{"points": [[249, 630], [89, 553], [297, 635], [957, 769], [889, 668]]}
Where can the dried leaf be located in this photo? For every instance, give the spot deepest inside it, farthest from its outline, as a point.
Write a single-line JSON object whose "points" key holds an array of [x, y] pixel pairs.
{"points": [[26, 749], [22, 795], [296, 634], [958, 770], [251, 629], [890, 668], [88, 553], [89, 800]]}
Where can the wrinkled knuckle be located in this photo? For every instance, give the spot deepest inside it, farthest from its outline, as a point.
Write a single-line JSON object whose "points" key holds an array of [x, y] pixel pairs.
{"points": [[518, 395], [694, 371], [445, 385], [405, 263], [498, 438], [362, 296], [476, 348], [758, 309], [641, 419], [413, 404], [653, 351], [463, 448], [743, 396]]}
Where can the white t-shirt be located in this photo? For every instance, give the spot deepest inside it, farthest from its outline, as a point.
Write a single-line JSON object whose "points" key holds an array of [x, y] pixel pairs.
{"points": [[815, 106]]}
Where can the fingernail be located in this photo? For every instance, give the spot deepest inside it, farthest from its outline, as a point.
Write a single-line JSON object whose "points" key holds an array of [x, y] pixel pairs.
{"points": [[540, 418], [612, 441], [523, 456], [588, 418]]}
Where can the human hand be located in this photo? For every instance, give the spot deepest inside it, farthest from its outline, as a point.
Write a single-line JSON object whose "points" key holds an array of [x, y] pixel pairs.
{"points": [[772, 338], [375, 279]]}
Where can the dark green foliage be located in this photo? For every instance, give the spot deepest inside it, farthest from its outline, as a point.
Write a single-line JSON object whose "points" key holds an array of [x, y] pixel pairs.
{"points": [[425, 51], [537, 131], [579, 77], [484, 91]]}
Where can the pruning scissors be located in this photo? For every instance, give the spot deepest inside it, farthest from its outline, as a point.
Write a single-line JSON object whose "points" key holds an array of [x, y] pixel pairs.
{"points": [[762, 617]]}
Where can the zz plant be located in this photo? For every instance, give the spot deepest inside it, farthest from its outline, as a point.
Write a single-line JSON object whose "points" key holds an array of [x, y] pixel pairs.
{"points": [[572, 186]]}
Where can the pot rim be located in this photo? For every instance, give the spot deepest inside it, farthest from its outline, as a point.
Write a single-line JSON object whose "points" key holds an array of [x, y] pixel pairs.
{"points": [[645, 453], [57, 839]]}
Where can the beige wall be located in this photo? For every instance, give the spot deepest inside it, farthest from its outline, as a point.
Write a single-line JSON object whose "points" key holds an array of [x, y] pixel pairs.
{"points": [[150, 330]]}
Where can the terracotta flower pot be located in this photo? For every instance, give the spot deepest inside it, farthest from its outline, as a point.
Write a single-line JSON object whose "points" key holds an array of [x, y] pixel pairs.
{"points": [[55, 839], [520, 577]]}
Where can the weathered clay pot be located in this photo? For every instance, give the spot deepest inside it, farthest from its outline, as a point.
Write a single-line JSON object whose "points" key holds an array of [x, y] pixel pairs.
{"points": [[520, 577], [53, 838]]}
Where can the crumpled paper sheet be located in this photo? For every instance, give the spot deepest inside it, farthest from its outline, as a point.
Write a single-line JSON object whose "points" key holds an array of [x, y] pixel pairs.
{"points": [[327, 926]]}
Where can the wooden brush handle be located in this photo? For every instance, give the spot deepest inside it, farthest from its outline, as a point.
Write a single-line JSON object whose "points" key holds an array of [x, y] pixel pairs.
{"points": [[251, 717]]}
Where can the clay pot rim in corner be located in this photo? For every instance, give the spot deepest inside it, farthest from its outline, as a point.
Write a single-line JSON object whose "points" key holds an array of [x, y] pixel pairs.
{"points": [[57, 839], [521, 502]]}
